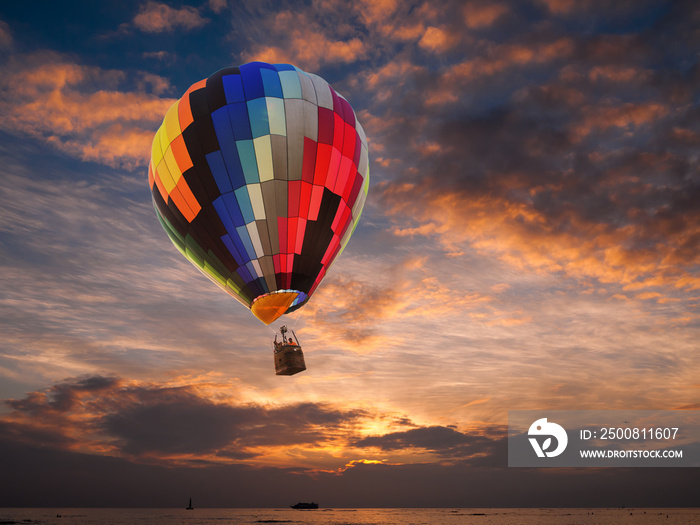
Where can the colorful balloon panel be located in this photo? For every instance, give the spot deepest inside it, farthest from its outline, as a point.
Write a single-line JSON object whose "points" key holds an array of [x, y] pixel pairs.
{"points": [[259, 174]]}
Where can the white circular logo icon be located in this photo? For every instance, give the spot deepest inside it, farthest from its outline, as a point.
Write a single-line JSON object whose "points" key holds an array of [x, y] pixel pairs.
{"points": [[543, 428]]}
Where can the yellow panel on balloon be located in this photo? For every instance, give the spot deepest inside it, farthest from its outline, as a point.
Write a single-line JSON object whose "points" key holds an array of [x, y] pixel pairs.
{"points": [[171, 122], [270, 307]]}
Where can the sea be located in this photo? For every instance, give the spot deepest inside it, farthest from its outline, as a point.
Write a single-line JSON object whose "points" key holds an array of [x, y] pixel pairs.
{"points": [[403, 516]]}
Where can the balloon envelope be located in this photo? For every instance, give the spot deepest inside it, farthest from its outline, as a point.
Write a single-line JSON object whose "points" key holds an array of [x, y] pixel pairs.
{"points": [[259, 174]]}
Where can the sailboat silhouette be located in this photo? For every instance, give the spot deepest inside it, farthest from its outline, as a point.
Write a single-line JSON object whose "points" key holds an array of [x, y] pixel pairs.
{"points": [[189, 507]]}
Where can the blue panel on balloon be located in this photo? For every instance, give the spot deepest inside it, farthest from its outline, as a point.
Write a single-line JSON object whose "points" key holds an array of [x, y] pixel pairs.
{"points": [[234, 209], [246, 152], [245, 274], [300, 299], [233, 88], [284, 67], [252, 81], [222, 126], [244, 205], [247, 243], [223, 213], [218, 169], [238, 243], [233, 250], [291, 87], [259, 120], [238, 114], [224, 134], [271, 83], [253, 271]]}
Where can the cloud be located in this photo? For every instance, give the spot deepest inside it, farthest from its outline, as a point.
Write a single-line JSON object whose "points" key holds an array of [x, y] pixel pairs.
{"points": [[436, 40], [81, 110], [481, 14], [627, 116], [559, 6], [217, 5], [158, 55], [78, 480], [191, 423], [379, 11], [356, 308], [5, 35], [171, 423], [567, 8], [619, 73], [392, 21], [534, 238], [499, 58], [106, 266], [155, 17], [297, 38], [62, 397], [446, 441], [534, 150]]}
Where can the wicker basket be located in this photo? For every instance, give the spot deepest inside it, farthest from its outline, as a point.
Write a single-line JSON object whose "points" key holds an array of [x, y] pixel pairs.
{"points": [[289, 360]]}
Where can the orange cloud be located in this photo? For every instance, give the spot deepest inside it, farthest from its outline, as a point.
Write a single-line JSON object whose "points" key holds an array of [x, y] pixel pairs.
{"points": [[355, 313], [114, 146], [377, 11], [447, 87], [303, 56], [524, 237], [80, 110], [476, 402], [686, 135], [391, 19], [625, 116], [437, 40], [301, 39], [480, 14], [616, 73], [505, 56], [384, 82], [155, 17], [390, 73]]}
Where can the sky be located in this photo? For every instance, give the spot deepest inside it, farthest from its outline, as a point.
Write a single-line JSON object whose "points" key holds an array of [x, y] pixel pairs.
{"points": [[530, 241]]}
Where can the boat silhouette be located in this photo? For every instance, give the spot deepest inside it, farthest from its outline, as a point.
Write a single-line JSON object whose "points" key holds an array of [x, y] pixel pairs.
{"points": [[304, 506], [189, 507]]}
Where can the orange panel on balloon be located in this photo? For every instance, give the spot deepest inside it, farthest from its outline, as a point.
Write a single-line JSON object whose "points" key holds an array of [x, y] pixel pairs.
{"points": [[270, 307]]}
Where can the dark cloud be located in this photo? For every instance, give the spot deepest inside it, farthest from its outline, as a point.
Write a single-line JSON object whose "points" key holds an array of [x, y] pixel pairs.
{"points": [[64, 395], [34, 435], [178, 424], [165, 424], [445, 441], [54, 404], [156, 421]]}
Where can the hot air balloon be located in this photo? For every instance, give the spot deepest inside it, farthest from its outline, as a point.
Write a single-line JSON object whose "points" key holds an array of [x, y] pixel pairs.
{"points": [[258, 175]]}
